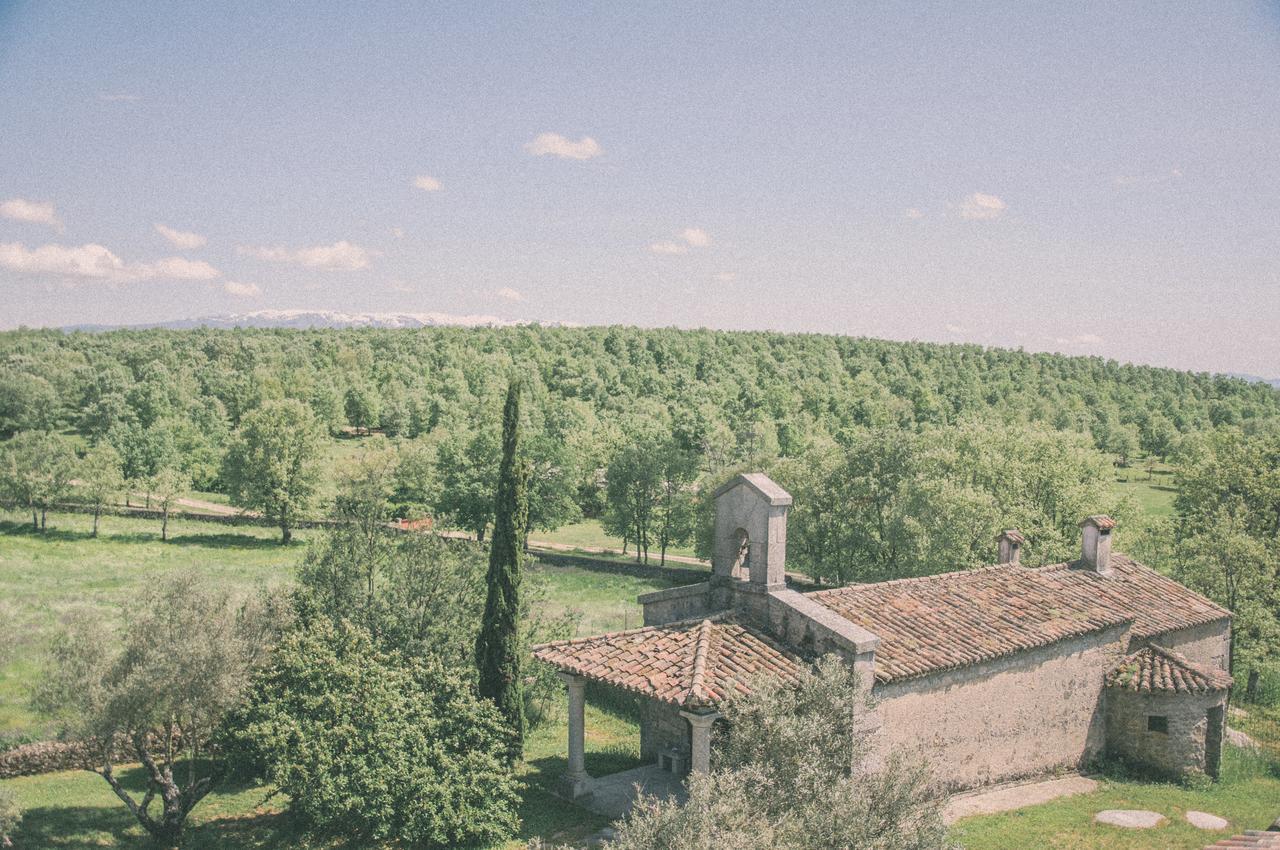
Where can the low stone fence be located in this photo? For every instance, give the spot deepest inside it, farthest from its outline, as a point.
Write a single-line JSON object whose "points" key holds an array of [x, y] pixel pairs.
{"points": [[47, 757]]}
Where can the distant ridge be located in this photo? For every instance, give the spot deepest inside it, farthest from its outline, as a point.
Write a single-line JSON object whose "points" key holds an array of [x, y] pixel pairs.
{"points": [[1254, 379], [300, 319]]}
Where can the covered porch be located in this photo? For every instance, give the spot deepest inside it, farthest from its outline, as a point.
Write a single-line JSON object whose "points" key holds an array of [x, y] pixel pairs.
{"points": [[671, 758], [681, 671]]}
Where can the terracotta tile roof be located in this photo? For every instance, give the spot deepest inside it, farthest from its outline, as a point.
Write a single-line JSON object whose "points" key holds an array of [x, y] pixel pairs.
{"points": [[952, 620], [1154, 668], [693, 663], [1252, 839]]}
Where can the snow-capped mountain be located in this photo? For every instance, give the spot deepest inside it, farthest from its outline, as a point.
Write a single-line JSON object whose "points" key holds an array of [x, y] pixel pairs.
{"points": [[316, 319]]}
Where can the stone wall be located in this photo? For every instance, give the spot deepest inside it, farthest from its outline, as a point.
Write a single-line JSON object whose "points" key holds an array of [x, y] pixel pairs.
{"points": [[1013, 717], [1180, 750], [673, 604], [1208, 644], [49, 756], [661, 726]]}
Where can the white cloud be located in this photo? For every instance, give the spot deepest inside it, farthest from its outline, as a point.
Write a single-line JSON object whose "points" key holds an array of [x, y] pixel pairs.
{"points": [[119, 97], [341, 256], [696, 236], [242, 290], [669, 248], [981, 207], [1079, 339], [913, 213], [96, 262], [554, 144], [33, 212], [726, 277], [181, 238], [427, 183], [397, 232], [510, 294], [955, 329], [1135, 180]]}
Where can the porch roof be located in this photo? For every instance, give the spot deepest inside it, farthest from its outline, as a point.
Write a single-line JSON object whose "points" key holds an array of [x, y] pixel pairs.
{"points": [[692, 664]]}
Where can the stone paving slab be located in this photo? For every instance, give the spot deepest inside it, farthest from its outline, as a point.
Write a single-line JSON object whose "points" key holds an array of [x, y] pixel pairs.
{"points": [[1005, 798], [1204, 820], [1130, 818]]}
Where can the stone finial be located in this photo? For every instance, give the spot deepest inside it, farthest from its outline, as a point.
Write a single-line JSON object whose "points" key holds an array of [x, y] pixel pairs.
{"points": [[1095, 543], [1010, 541]]}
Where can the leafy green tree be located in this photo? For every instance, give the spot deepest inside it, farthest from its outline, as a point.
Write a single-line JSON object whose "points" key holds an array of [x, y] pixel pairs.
{"points": [[498, 648], [36, 468], [184, 659], [793, 771], [168, 486], [272, 463], [362, 407], [101, 479], [468, 478], [143, 452], [27, 402], [889, 504], [376, 747], [633, 490]]}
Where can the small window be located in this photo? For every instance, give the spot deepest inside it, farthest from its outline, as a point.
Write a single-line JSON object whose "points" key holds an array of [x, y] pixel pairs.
{"points": [[1158, 723]]}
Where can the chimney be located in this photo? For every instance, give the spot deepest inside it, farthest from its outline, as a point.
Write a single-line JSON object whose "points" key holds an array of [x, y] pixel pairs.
{"points": [[1095, 549], [1010, 541]]}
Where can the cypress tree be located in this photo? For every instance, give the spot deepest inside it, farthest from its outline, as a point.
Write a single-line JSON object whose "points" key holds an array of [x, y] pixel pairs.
{"points": [[498, 644]]}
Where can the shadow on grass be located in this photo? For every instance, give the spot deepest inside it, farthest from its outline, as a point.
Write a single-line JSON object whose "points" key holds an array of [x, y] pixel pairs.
{"points": [[77, 827], [222, 540]]}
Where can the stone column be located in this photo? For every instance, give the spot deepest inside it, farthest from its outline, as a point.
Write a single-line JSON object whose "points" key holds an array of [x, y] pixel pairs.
{"points": [[701, 724], [576, 782]]}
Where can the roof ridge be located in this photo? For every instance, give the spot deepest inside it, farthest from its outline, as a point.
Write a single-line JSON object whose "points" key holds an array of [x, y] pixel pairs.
{"points": [[716, 617], [697, 688], [916, 579]]}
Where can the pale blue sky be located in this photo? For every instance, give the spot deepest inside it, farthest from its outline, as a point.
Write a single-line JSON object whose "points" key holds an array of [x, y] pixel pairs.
{"points": [[1090, 178]]}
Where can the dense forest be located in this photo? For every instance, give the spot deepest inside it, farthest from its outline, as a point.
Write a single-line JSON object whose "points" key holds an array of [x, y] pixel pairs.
{"points": [[623, 423]]}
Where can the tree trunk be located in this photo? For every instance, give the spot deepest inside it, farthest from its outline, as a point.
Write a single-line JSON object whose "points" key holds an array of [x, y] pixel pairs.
{"points": [[97, 511], [286, 533], [35, 519], [43, 517], [164, 525], [480, 534], [1251, 688]]}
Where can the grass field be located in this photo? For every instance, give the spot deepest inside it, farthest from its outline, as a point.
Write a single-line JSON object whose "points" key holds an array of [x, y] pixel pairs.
{"points": [[45, 575], [1153, 489]]}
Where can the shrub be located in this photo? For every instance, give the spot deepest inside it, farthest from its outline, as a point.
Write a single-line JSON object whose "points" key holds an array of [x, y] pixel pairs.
{"points": [[795, 771], [374, 746], [10, 815]]}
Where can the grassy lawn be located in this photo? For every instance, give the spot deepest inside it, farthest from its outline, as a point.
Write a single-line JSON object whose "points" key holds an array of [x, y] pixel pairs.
{"points": [[1153, 490], [1248, 796], [43, 576], [589, 535]]}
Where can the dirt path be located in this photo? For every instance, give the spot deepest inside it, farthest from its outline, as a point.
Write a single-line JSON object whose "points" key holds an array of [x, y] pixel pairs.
{"points": [[1004, 798]]}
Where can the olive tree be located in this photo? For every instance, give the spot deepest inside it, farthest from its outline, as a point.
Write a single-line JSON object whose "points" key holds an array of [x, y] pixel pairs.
{"points": [[185, 658], [796, 770], [272, 464]]}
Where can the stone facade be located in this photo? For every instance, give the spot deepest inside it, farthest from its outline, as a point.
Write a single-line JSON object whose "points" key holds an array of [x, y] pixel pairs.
{"points": [[1174, 734], [1014, 717], [1208, 644]]}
